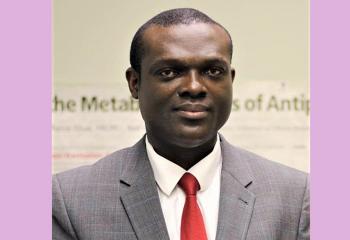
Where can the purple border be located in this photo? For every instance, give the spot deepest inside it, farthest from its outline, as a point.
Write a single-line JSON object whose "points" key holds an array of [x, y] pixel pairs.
{"points": [[25, 98], [25, 125], [330, 85]]}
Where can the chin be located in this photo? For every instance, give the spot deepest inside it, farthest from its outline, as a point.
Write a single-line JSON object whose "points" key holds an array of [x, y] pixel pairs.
{"points": [[192, 140]]}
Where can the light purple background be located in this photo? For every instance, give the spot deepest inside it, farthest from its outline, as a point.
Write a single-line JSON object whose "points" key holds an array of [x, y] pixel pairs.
{"points": [[330, 100], [25, 120], [25, 127]]}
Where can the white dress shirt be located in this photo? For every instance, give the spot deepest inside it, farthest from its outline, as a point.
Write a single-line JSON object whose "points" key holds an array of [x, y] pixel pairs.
{"points": [[172, 198]]}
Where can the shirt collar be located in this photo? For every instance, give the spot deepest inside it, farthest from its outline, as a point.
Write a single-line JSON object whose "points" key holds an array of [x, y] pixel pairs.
{"points": [[167, 174]]}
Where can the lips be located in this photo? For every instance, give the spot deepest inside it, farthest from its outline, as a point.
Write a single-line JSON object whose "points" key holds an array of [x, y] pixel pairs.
{"points": [[192, 110]]}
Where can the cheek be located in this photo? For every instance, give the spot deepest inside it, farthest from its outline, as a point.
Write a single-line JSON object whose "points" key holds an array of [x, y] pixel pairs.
{"points": [[223, 94], [154, 102], [223, 101]]}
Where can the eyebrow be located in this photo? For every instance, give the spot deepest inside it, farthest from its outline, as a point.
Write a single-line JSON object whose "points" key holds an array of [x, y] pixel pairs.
{"points": [[177, 62]]}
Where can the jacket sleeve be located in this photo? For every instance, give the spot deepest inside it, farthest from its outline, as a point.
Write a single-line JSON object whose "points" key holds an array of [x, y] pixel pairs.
{"points": [[304, 222], [62, 228]]}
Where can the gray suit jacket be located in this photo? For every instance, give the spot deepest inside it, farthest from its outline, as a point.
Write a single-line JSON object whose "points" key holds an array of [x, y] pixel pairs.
{"points": [[117, 198]]}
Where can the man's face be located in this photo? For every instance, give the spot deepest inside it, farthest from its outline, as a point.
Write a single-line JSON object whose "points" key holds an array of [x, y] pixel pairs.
{"points": [[185, 85]]}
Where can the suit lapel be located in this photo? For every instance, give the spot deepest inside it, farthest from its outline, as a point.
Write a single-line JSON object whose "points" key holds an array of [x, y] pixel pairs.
{"points": [[140, 196], [236, 201]]}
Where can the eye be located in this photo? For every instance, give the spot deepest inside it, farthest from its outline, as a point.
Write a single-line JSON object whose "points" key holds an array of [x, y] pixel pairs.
{"points": [[168, 73], [214, 72]]}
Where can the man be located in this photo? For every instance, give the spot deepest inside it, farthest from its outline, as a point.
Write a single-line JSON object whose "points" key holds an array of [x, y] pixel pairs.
{"points": [[182, 180]]}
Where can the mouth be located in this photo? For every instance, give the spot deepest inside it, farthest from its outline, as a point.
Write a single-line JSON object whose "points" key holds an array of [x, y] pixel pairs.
{"points": [[192, 111]]}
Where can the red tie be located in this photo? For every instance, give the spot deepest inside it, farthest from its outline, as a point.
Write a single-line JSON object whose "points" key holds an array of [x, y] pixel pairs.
{"points": [[192, 225]]}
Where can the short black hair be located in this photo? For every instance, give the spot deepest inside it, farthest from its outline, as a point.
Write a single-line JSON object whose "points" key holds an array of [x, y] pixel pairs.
{"points": [[165, 19]]}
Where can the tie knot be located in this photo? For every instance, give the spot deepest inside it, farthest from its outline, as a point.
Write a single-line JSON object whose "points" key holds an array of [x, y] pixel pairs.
{"points": [[189, 184]]}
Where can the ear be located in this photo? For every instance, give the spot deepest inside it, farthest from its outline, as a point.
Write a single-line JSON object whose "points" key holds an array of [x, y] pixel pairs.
{"points": [[133, 79], [233, 74]]}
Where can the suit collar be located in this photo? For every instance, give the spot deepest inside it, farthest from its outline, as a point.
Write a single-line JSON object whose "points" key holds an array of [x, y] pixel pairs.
{"points": [[135, 160], [236, 201], [235, 164], [139, 195]]}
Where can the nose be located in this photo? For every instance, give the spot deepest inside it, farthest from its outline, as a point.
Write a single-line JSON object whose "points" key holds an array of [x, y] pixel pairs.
{"points": [[192, 86]]}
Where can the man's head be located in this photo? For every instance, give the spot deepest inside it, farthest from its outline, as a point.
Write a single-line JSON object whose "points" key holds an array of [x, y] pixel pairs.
{"points": [[184, 81]]}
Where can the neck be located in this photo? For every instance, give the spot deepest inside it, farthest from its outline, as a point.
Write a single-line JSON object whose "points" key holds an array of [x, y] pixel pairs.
{"points": [[185, 157]]}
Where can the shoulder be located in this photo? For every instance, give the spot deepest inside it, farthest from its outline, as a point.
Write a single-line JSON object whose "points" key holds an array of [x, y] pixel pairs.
{"points": [[266, 175], [82, 194], [263, 168], [111, 165], [281, 193], [104, 174]]}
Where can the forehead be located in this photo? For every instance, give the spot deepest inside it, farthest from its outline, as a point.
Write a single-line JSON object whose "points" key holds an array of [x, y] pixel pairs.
{"points": [[193, 42]]}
